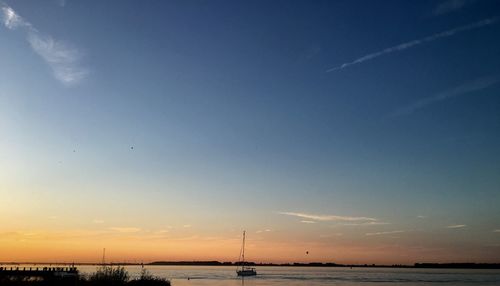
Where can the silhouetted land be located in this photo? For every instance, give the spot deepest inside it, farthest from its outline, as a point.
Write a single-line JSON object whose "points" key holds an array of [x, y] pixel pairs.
{"points": [[104, 276], [331, 264], [459, 265], [299, 264]]}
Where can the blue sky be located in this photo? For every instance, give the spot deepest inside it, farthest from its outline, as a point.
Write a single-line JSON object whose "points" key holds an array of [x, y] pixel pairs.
{"points": [[260, 115]]}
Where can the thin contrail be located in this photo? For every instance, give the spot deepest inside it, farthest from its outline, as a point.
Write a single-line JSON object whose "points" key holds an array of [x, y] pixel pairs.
{"points": [[413, 43], [465, 88]]}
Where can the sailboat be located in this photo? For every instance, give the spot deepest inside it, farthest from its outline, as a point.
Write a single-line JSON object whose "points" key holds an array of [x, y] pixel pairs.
{"points": [[244, 270]]}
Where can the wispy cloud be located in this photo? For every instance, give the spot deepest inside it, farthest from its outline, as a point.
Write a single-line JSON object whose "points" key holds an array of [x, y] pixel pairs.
{"points": [[421, 216], [98, 221], [417, 42], [456, 226], [330, 235], [125, 229], [367, 223], [449, 6], [53, 235], [316, 217], [61, 3], [10, 18], [63, 59], [468, 87], [384, 232], [307, 221], [496, 230]]}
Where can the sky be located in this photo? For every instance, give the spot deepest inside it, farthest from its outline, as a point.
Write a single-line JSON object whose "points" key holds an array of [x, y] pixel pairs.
{"points": [[331, 131]]}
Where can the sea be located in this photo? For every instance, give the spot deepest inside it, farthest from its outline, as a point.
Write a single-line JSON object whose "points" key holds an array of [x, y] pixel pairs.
{"points": [[316, 276], [310, 276]]}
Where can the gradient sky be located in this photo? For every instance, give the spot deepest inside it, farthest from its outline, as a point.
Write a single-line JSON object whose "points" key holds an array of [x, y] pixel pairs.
{"points": [[360, 131]]}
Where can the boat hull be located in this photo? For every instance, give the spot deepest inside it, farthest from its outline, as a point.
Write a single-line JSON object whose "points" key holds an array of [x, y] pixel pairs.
{"points": [[246, 272]]}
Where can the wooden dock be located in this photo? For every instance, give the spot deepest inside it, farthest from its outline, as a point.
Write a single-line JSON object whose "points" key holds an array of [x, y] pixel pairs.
{"points": [[39, 272]]}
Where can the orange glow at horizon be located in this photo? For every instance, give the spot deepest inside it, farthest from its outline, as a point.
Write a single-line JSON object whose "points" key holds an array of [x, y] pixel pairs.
{"points": [[77, 247]]}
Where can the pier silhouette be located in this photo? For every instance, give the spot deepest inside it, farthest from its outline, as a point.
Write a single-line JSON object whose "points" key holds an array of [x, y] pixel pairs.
{"points": [[41, 272]]}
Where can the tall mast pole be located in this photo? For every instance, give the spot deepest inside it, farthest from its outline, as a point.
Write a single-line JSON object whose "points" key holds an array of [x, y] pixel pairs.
{"points": [[243, 256]]}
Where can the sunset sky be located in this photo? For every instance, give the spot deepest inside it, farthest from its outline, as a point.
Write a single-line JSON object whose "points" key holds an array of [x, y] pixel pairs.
{"points": [[359, 131]]}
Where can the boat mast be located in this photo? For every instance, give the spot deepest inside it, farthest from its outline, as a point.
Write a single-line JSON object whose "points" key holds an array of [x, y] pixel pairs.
{"points": [[243, 254]]}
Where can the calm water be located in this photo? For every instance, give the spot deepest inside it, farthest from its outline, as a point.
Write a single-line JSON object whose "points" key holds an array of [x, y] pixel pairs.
{"points": [[301, 276]]}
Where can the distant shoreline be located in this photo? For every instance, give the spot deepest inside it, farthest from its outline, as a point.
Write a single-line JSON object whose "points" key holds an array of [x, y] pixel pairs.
{"points": [[293, 264]]}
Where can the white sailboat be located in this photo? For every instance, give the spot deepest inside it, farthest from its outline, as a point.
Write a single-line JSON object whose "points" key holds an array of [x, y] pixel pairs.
{"points": [[244, 270]]}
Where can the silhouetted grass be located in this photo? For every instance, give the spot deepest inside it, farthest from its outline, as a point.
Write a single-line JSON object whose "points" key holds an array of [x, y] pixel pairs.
{"points": [[104, 276]]}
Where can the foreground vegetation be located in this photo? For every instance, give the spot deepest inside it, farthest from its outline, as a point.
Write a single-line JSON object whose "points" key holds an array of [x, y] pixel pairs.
{"points": [[104, 276]]}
